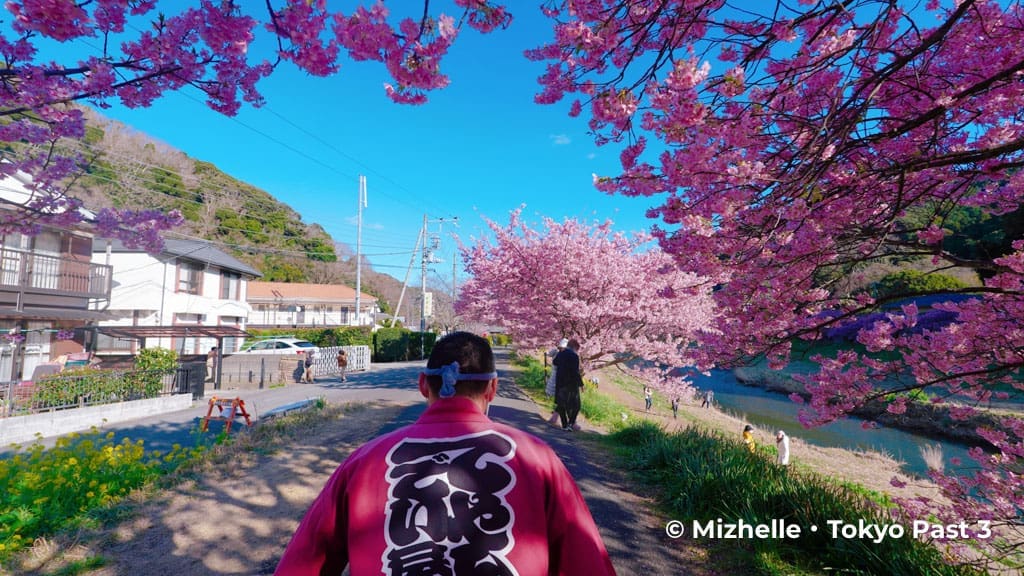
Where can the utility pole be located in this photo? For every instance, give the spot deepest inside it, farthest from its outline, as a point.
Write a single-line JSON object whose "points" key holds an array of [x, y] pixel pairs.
{"points": [[427, 258], [359, 246], [401, 295], [423, 292]]}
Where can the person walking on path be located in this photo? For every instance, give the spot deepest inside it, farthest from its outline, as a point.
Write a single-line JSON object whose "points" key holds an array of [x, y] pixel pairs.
{"points": [[307, 374], [342, 362], [782, 443], [709, 397], [549, 386], [675, 408], [748, 438], [453, 493], [568, 384], [648, 398]]}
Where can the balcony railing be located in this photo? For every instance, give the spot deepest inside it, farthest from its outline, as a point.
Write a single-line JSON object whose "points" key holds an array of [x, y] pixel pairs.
{"points": [[40, 273]]}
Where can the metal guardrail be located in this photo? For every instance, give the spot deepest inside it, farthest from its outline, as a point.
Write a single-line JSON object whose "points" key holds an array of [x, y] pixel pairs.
{"points": [[95, 387]]}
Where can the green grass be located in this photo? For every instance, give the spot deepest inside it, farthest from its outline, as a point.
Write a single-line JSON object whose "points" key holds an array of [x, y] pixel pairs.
{"points": [[701, 475], [80, 566], [597, 408], [87, 481]]}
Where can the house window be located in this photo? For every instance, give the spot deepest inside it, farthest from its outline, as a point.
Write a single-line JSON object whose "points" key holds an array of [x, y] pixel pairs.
{"points": [[231, 343], [229, 285], [190, 345], [190, 278]]}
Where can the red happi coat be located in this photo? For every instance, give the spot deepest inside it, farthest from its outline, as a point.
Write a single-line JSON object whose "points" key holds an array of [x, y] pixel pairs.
{"points": [[454, 493]]}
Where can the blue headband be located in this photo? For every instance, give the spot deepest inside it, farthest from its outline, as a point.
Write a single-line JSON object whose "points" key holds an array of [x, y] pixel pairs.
{"points": [[450, 375]]}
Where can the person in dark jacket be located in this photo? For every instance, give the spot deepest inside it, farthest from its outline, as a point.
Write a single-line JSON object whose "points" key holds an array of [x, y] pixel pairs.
{"points": [[568, 382]]}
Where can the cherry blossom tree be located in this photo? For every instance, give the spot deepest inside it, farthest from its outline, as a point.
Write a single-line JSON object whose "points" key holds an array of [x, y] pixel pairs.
{"points": [[136, 53], [622, 298], [789, 143], [793, 143]]}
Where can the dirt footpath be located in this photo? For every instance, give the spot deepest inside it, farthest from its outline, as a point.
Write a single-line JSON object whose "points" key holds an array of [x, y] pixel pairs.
{"points": [[237, 518]]}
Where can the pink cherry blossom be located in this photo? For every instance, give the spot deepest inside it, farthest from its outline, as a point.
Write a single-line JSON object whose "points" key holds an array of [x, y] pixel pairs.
{"points": [[785, 146], [622, 298], [200, 43]]}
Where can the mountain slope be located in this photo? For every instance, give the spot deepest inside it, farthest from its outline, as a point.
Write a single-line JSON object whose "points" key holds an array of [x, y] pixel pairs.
{"points": [[128, 169]]}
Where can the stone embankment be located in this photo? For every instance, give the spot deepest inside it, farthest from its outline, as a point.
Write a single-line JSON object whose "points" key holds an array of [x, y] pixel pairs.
{"points": [[924, 418]]}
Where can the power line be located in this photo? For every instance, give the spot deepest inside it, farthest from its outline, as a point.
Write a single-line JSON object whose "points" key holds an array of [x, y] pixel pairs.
{"points": [[219, 190], [131, 186], [330, 146]]}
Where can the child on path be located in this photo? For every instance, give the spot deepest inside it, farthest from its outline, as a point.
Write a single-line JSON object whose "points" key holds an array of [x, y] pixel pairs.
{"points": [[307, 375], [342, 362], [748, 437]]}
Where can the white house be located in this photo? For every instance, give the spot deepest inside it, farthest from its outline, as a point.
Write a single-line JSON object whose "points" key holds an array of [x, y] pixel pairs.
{"points": [[49, 288], [296, 305], [191, 286]]}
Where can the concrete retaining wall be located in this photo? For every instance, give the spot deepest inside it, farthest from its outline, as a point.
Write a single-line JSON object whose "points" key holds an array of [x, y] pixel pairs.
{"points": [[20, 429]]}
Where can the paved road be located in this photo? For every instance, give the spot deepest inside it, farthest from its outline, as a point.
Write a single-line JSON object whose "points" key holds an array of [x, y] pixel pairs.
{"points": [[392, 382]]}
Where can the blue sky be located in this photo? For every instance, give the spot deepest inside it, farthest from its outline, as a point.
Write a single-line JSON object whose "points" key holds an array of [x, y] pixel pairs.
{"points": [[480, 147]]}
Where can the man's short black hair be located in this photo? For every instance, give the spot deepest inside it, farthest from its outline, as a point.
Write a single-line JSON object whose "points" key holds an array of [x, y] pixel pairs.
{"points": [[472, 352]]}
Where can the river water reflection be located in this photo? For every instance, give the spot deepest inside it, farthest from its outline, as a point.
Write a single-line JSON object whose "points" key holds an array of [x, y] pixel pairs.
{"points": [[770, 411]]}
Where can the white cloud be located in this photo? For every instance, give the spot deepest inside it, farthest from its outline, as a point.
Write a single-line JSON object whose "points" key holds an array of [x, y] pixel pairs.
{"points": [[559, 139]]}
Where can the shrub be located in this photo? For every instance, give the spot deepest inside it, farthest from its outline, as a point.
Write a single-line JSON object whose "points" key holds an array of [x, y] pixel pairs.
{"points": [[398, 344], [46, 491], [324, 337], [914, 282], [84, 386], [151, 365], [90, 386], [390, 345]]}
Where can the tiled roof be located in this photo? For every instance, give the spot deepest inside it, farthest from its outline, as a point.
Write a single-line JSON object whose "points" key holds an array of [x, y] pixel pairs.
{"points": [[296, 292], [195, 250]]}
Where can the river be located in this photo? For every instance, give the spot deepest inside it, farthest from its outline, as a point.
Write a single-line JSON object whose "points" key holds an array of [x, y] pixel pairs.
{"points": [[770, 411]]}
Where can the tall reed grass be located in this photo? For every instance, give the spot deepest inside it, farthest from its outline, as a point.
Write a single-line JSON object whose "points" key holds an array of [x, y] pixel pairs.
{"points": [[932, 456]]}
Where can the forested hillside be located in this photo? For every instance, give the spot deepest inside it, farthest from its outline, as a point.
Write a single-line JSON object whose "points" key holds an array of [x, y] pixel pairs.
{"points": [[128, 169]]}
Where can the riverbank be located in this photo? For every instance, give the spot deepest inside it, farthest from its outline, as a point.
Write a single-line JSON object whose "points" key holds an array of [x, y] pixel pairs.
{"points": [[923, 418], [872, 471]]}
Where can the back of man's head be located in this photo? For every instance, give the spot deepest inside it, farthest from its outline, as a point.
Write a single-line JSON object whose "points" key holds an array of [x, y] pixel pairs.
{"points": [[473, 354]]}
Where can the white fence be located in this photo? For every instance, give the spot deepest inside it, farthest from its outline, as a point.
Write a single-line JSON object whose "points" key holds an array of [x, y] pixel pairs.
{"points": [[259, 370], [327, 361]]}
